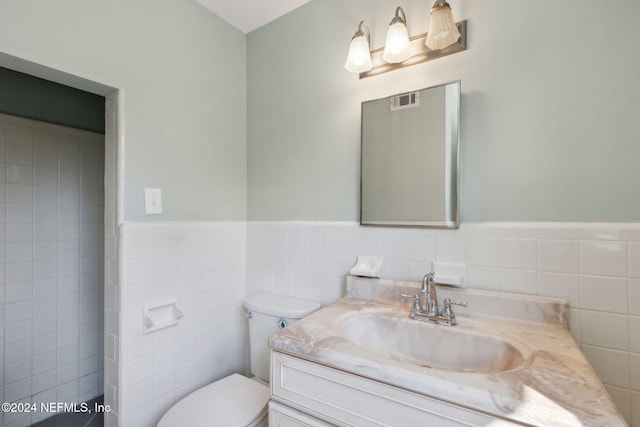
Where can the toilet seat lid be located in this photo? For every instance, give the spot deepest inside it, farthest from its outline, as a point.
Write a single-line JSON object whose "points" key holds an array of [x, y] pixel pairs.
{"points": [[232, 401]]}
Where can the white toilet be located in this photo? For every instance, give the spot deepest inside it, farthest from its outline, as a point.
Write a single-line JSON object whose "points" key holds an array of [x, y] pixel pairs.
{"points": [[238, 401]]}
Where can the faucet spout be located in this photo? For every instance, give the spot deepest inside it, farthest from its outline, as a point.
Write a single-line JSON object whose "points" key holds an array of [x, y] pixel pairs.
{"points": [[429, 291]]}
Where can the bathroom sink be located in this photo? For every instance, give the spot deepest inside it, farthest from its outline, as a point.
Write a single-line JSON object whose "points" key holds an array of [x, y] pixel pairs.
{"points": [[432, 346]]}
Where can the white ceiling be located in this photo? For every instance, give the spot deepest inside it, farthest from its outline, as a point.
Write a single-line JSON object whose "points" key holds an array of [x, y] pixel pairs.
{"points": [[247, 15]]}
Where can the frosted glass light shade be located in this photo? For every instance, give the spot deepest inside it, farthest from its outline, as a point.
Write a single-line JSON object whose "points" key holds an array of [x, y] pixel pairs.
{"points": [[443, 31], [359, 57], [397, 47]]}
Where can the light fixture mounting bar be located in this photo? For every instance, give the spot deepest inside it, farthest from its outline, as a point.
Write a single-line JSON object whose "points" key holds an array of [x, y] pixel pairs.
{"points": [[421, 53]]}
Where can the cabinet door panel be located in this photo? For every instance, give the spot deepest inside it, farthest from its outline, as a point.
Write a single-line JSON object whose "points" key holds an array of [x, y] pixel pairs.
{"points": [[344, 399], [283, 416]]}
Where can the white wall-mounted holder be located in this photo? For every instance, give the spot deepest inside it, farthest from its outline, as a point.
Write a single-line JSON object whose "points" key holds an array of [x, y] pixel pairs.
{"points": [[161, 315], [449, 273], [367, 266]]}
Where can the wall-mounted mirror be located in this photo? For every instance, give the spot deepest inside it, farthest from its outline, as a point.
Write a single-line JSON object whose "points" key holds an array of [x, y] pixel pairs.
{"points": [[410, 146]]}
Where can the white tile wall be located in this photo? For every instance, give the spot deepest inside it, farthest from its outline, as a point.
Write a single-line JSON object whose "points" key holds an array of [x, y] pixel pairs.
{"points": [[50, 264], [203, 266], [596, 267]]}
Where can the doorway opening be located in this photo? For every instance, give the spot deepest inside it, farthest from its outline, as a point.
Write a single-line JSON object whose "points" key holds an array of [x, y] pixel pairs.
{"points": [[57, 221]]}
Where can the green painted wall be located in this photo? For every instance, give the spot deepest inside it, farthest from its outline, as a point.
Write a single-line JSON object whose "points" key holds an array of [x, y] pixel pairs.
{"points": [[180, 75], [549, 125], [27, 96]]}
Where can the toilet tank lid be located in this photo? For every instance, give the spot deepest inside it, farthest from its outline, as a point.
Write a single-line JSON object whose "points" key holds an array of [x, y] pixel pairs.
{"points": [[276, 305]]}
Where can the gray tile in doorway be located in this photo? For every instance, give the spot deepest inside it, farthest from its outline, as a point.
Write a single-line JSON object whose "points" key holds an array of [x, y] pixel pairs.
{"points": [[76, 419]]}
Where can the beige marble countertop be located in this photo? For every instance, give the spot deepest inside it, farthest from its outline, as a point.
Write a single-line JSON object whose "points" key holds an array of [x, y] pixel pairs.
{"points": [[554, 386]]}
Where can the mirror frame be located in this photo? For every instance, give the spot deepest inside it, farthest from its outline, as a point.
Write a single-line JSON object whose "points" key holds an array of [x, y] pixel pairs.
{"points": [[454, 223]]}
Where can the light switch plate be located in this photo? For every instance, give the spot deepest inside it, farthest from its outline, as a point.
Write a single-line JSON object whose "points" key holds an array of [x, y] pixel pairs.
{"points": [[152, 201]]}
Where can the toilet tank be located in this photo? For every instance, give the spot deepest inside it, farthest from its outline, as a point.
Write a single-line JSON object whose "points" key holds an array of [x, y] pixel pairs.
{"points": [[269, 314]]}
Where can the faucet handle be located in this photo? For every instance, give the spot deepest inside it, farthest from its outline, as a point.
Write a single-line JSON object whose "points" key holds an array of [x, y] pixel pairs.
{"points": [[448, 313], [447, 303], [416, 306]]}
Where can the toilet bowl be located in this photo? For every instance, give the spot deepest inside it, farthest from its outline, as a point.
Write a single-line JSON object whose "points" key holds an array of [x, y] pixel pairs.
{"points": [[238, 401]]}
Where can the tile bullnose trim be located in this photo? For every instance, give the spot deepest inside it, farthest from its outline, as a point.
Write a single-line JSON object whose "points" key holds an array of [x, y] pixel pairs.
{"points": [[182, 225]]}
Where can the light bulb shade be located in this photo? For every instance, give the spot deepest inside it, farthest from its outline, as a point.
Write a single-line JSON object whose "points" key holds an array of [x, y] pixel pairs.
{"points": [[443, 31], [359, 57], [397, 48]]}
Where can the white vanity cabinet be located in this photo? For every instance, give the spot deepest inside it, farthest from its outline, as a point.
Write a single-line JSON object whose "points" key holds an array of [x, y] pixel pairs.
{"points": [[318, 392], [285, 416]]}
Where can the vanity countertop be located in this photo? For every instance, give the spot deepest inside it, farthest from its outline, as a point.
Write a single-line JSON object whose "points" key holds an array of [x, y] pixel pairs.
{"points": [[555, 386]]}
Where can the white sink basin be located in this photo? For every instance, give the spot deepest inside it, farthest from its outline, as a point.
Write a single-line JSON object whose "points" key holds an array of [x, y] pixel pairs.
{"points": [[450, 348]]}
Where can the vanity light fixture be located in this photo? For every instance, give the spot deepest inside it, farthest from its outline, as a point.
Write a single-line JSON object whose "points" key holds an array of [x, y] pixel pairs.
{"points": [[397, 47], [443, 31], [359, 58], [444, 38]]}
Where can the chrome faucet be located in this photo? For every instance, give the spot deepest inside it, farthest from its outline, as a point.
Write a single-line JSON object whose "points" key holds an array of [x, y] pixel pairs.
{"points": [[430, 312], [429, 292]]}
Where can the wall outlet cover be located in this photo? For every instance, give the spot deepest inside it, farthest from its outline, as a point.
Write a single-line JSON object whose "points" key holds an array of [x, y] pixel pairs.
{"points": [[152, 201]]}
